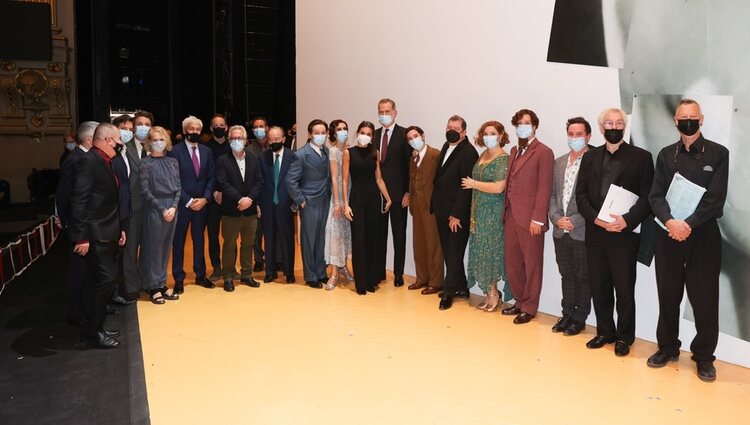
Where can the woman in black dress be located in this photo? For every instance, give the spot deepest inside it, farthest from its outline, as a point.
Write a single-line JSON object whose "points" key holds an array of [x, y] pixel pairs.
{"points": [[363, 203]]}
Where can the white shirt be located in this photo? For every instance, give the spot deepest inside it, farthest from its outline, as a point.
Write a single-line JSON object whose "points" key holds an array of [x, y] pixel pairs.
{"points": [[138, 147], [448, 153], [523, 151], [82, 148], [241, 164]]}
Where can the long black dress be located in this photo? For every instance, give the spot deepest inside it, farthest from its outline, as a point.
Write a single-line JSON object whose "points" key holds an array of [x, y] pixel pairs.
{"points": [[364, 200]]}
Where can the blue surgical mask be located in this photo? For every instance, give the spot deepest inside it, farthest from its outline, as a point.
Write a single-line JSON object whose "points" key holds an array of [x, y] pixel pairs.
{"points": [[237, 145], [417, 143], [126, 135], [576, 144], [319, 139], [260, 133], [70, 146], [523, 131], [141, 132], [342, 135], [490, 141], [385, 120], [158, 145]]}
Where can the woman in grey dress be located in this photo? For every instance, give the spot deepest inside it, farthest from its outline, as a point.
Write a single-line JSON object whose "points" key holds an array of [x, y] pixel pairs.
{"points": [[338, 231], [160, 186]]}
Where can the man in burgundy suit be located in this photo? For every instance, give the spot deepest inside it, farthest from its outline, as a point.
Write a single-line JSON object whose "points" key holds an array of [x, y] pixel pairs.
{"points": [[526, 200]]}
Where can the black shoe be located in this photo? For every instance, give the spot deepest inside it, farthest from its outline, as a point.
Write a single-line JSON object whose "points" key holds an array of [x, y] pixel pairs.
{"points": [[660, 359], [398, 281], [118, 300], [258, 267], [249, 281], [462, 294], [510, 311], [179, 288], [446, 302], [622, 348], [290, 279], [574, 328], [599, 341], [323, 281], [112, 333], [314, 284], [372, 289], [204, 282], [361, 292], [561, 324], [523, 318], [101, 340], [112, 310], [706, 371], [269, 279], [228, 285]]}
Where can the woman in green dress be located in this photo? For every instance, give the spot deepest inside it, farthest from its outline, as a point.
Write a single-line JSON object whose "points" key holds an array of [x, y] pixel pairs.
{"points": [[486, 253]]}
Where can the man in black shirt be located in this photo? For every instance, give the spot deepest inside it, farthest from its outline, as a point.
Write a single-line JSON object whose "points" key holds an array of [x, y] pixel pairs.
{"points": [[688, 253], [219, 146]]}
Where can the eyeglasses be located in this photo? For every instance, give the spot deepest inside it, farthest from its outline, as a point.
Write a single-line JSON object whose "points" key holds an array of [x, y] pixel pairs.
{"points": [[609, 125]]}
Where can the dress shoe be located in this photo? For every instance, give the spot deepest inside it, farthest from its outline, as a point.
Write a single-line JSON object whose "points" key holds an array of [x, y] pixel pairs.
{"points": [[430, 290], [706, 371], [446, 302], [228, 285], [398, 281], [112, 333], [523, 318], [258, 267], [101, 340], [204, 282], [462, 294], [372, 289], [511, 311], [417, 285], [574, 328], [269, 279], [179, 287], [290, 279], [361, 292], [660, 359], [314, 284], [622, 348], [599, 341], [249, 281], [112, 310], [561, 324], [119, 300]]}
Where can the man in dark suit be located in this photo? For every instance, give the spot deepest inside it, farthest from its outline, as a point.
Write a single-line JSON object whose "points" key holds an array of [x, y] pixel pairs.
{"points": [[96, 230], [394, 155], [77, 270], [122, 167], [259, 144], [219, 145], [275, 205], [239, 178], [612, 245], [197, 183], [452, 207]]}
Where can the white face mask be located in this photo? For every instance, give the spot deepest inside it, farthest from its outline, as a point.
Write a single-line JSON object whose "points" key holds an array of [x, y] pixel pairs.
{"points": [[237, 145], [158, 146], [363, 139]]}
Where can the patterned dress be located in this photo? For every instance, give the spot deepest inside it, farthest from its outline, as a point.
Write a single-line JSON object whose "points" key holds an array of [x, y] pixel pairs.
{"points": [[338, 231], [486, 248]]}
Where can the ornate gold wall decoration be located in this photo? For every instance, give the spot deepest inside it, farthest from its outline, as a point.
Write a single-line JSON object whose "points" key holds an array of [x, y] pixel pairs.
{"points": [[8, 66]]}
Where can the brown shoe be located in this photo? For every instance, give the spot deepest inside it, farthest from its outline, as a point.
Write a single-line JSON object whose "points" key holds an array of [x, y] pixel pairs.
{"points": [[431, 290], [417, 285]]}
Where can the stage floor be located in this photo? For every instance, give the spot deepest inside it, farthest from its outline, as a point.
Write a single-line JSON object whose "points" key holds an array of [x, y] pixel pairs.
{"points": [[289, 354]]}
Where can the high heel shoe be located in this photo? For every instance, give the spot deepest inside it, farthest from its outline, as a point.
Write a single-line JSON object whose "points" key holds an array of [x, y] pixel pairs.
{"points": [[347, 274], [493, 303], [330, 283]]}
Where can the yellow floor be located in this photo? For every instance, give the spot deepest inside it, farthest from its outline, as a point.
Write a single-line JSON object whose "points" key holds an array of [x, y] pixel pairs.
{"points": [[289, 354]]}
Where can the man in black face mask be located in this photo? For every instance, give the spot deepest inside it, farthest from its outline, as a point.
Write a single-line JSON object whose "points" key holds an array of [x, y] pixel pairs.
{"points": [[452, 207], [219, 147], [612, 246], [688, 252]]}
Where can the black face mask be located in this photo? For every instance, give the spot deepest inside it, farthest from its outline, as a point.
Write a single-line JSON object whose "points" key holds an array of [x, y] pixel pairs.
{"points": [[193, 137], [118, 148], [219, 132], [452, 136], [613, 135], [276, 146], [688, 127]]}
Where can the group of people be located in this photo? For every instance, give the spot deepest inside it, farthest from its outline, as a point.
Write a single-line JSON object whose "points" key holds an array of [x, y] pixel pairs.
{"points": [[128, 196]]}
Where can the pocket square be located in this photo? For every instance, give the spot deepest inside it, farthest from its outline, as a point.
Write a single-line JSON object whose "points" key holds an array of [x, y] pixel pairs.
{"points": [[708, 168]]}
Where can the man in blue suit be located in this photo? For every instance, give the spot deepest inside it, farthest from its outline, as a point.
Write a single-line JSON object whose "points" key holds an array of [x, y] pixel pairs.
{"points": [[308, 183], [197, 182], [276, 207]]}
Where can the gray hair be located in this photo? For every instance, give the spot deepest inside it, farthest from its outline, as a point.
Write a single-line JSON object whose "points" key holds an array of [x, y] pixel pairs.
{"points": [[237, 128], [191, 120], [86, 131], [607, 111], [277, 128]]}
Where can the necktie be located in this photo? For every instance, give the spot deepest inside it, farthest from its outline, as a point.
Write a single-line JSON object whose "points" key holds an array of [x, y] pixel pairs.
{"points": [[384, 145], [276, 170], [520, 152], [143, 151], [196, 164]]}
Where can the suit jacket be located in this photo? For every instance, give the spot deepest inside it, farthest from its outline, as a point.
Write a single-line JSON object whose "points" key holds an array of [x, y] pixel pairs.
{"points": [[266, 168], [233, 187], [556, 208], [635, 173], [308, 178], [422, 180], [136, 200], [202, 185], [530, 184], [65, 185], [448, 198], [395, 167], [94, 201], [121, 170]]}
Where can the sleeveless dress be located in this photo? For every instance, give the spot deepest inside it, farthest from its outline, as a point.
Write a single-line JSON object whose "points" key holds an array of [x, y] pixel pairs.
{"points": [[338, 230]]}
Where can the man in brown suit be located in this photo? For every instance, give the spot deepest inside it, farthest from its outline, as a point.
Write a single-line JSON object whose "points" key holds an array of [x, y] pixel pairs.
{"points": [[527, 198], [428, 255]]}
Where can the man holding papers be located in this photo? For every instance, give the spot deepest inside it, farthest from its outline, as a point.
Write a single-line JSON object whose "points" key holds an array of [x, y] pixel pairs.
{"points": [[688, 252], [611, 243]]}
